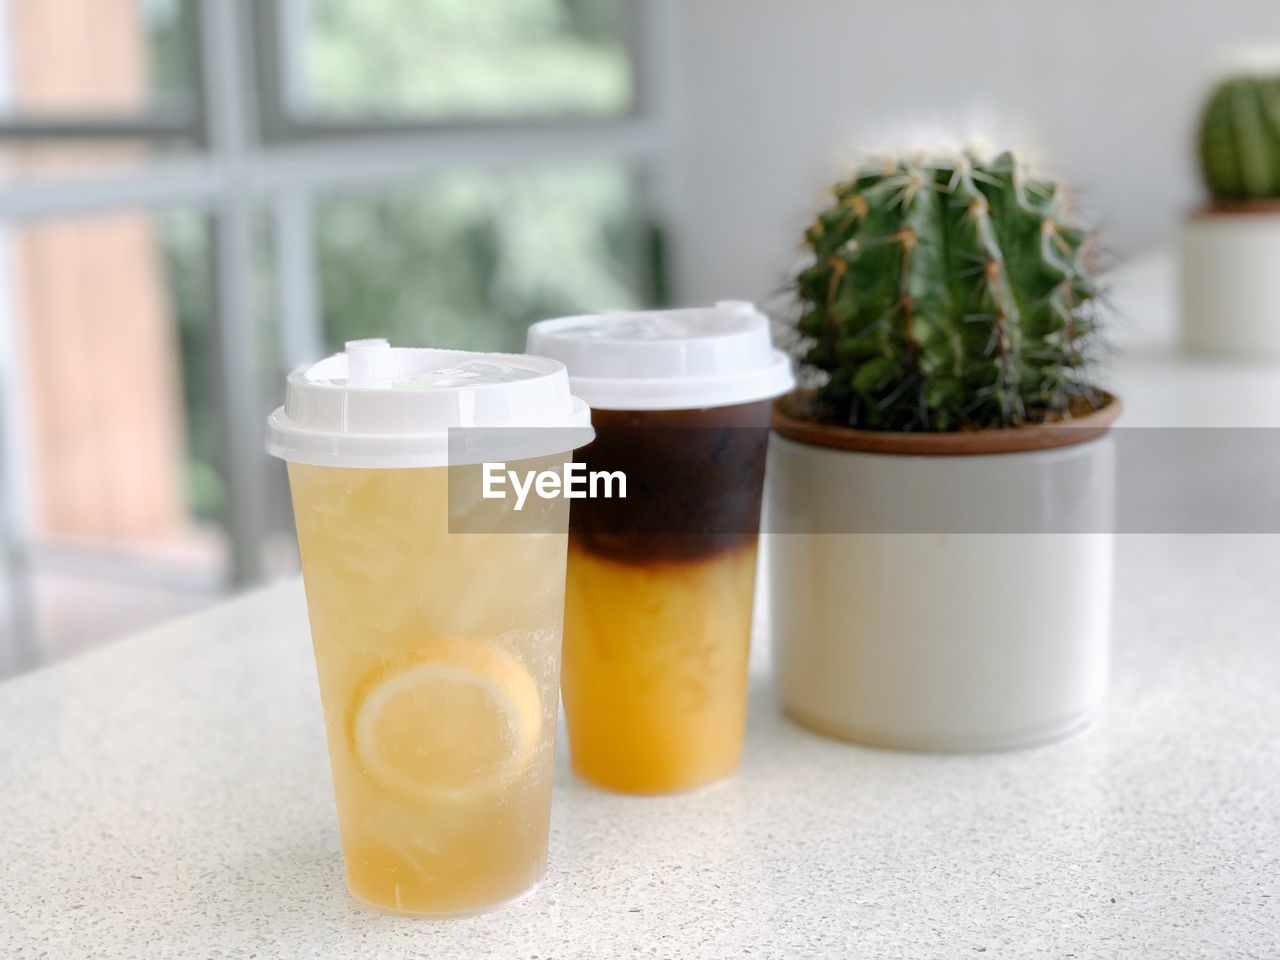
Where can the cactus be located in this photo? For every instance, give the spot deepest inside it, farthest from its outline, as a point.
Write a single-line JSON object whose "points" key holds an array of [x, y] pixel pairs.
{"points": [[947, 293], [1240, 139]]}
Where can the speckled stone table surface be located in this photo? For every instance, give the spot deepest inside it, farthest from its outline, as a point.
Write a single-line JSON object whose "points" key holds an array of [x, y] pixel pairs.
{"points": [[168, 796]]}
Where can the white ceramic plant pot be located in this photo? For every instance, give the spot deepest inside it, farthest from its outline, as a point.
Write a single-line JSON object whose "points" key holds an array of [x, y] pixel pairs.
{"points": [[1230, 280], [914, 606]]}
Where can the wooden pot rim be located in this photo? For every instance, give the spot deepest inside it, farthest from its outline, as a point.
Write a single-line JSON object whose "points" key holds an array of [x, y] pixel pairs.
{"points": [[957, 443], [1244, 208]]}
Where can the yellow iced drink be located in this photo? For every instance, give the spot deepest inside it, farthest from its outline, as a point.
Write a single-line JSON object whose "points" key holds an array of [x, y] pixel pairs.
{"points": [[438, 656], [436, 613], [655, 671]]}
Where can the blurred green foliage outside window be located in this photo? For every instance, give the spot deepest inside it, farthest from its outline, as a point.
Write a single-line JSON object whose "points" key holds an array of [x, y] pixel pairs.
{"points": [[451, 59]]}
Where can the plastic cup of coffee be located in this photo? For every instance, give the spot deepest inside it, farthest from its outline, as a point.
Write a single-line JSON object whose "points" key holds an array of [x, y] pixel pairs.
{"points": [[661, 583]]}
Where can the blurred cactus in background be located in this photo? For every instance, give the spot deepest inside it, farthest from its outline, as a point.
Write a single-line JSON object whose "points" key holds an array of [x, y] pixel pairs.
{"points": [[947, 292], [1240, 139]]}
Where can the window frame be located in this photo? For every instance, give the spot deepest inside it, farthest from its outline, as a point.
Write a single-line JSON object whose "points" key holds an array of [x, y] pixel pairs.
{"points": [[252, 156]]}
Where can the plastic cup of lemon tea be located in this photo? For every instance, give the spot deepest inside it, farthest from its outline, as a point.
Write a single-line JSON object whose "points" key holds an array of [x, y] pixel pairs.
{"points": [[437, 651], [660, 590]]}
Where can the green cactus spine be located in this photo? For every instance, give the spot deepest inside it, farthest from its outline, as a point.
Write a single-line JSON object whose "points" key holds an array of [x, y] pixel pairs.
{"points": [[1240, 140], [945, 294]]}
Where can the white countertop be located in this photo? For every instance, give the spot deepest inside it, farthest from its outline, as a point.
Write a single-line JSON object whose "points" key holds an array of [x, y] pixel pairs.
{"points": [[169, 796]]}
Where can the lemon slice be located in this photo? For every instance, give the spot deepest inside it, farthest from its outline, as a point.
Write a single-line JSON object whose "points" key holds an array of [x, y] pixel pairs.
{"points": [[449, 721]]}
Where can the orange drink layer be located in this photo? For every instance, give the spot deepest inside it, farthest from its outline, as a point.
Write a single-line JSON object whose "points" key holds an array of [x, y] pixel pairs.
{"points": [[438, 656], [659, 596], [655, 674]]}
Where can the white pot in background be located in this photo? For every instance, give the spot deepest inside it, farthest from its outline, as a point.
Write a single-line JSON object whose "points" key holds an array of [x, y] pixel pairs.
{"points": [[896, 623], [1231, 283]]}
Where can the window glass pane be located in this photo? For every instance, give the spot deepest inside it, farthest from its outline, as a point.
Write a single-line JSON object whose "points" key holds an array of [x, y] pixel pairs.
{"points": [[91, 64], [115, 457], [470, 260], [450, 59], [96, 58]]}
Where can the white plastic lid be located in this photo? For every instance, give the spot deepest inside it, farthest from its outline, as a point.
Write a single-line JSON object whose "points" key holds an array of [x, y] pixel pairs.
{"points": [[374, 406], [667, 359]]}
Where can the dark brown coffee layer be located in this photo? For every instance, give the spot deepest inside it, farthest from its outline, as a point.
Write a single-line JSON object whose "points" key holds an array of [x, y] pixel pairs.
{"points": [[694, 482]]}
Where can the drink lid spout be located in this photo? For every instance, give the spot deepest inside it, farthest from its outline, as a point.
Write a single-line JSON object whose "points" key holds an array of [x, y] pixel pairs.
{"points": [[370, 363]]}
